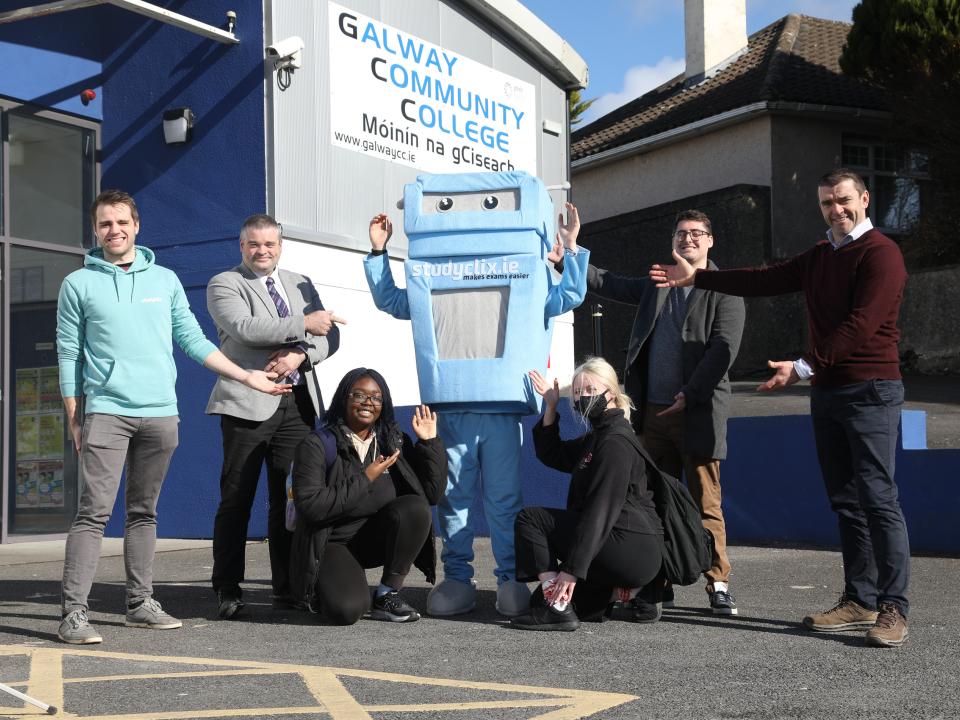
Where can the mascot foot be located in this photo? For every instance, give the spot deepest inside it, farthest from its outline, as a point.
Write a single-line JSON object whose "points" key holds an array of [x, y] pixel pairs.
{"points": [[452, 597], [513, 599]]}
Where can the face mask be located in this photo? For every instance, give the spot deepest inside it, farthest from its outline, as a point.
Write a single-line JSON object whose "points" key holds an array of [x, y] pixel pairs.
{"points": [[591, 406]]}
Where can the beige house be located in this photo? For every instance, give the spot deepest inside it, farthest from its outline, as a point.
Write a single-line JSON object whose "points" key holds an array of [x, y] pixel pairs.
{"points": [[743, 135]]}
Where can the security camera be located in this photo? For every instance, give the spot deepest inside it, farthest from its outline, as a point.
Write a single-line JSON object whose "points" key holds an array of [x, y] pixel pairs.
{"points": [[286, 52]]}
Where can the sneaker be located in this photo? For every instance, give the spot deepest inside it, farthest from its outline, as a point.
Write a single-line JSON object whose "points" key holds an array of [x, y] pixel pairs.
{"points": [[636, 610], [547, 617], [390, 606], [77, 630], [891, 627], [669, 601], [229, 604], [845, 615], [721, 603], [149, 614]]}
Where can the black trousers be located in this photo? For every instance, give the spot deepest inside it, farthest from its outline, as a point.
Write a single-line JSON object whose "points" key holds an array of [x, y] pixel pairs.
{"points": [[392, 538], [856, 427], [247, 445], [543, 537]]}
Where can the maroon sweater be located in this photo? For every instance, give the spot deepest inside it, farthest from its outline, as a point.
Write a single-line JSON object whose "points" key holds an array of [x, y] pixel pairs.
{"points": [[853, 298]]}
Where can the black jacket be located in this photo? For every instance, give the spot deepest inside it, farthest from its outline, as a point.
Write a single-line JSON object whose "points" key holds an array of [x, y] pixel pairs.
{"points": [[323, 499], [608, 485], [712, 330]]}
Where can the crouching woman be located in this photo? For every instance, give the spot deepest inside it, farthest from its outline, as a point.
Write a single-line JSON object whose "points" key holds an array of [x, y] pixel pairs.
{"points": [[596, 555], [367, 506]]}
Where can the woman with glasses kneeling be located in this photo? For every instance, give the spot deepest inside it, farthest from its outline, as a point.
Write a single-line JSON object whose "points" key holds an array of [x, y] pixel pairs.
{"points": [[594, 557], [363, 492]]}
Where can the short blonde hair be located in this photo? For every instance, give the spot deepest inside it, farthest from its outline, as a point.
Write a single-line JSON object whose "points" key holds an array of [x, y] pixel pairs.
{"points": [[604, 372]]}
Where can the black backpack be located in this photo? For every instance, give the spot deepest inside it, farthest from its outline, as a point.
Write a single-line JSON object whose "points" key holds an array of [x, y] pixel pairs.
{"points": [[687, 544]]}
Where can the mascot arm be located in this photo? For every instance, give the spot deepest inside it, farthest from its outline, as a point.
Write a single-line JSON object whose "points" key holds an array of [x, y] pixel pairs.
{"points": [[570, 291], [386, 295]]}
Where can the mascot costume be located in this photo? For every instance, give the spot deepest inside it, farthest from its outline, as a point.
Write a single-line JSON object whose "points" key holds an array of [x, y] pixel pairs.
{"points": [[481, 298]]}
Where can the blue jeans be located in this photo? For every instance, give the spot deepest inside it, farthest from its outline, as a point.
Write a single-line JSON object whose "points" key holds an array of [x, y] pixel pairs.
{"points": [[483, 455], [856, 428]]}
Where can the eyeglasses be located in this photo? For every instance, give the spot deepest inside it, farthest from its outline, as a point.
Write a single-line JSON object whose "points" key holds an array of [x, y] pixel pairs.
{"points": [[695, 234], [360, 398]]}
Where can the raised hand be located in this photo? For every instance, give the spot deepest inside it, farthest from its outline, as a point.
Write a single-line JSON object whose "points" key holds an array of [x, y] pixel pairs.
{"points": [[784, 376], [568, 231], [549, 393], [379, 466], [381, 230], [265, 382], [679, 275], [556, 254], [424, 423]]}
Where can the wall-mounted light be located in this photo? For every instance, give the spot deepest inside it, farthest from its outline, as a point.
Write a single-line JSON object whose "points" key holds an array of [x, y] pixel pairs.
{"points": [[177, 125]]}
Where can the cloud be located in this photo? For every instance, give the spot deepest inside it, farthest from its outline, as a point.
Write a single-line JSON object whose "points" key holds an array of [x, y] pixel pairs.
{"points": [[637, 80]]}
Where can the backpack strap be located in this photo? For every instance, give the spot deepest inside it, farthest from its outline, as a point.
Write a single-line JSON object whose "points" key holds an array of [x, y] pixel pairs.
{"points": [[329, 443]]}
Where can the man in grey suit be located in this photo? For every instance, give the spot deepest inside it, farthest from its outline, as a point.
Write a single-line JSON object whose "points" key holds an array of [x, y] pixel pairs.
{"points": [[269, 318], [681, 347]]}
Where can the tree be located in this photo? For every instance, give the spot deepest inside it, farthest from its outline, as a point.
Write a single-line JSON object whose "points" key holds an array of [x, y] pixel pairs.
{"points": [[911, 48], [578, 106]]}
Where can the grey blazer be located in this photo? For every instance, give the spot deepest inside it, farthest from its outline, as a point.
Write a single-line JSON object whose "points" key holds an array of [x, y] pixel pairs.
{"points": [[250, 329], [712, 331]]}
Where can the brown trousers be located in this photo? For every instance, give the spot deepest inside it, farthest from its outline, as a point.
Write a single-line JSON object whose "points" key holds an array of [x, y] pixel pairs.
{"points": [[663, 439]]}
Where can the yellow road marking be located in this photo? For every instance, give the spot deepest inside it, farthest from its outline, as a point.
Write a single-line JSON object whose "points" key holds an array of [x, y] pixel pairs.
{"points": [[46, 682]]}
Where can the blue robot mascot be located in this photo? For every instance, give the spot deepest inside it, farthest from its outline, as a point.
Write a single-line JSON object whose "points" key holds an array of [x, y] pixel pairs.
{"points": [[481, 298]]}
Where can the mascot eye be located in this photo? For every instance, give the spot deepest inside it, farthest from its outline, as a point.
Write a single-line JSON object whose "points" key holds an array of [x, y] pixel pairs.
{"points": [[490, 202], [445, 204]]}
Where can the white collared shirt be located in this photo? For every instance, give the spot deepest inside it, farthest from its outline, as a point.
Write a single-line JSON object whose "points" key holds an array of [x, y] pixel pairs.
{"points": [[851, 236], [278, 286]]}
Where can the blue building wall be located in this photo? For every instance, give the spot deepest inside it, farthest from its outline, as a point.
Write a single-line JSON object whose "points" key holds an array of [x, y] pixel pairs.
{"points": [[192, 198]]}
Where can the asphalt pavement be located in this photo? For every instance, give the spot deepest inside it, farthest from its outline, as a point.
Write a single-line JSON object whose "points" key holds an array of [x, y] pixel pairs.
{"points": [[285, 663]]}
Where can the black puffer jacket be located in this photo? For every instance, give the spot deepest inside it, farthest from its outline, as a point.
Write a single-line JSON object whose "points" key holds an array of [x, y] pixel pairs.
{"points": [[324, 498]]}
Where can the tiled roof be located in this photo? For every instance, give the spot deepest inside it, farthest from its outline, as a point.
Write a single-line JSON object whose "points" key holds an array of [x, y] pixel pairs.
{"points": [[795, 59]]}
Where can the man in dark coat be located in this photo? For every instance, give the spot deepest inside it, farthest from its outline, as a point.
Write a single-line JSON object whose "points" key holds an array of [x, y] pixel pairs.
{"points": [[681, 347]]}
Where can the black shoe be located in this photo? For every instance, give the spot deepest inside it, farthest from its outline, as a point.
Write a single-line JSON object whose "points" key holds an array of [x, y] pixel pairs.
{"points": [[722, 603], [286, 602], [547, 617], [637, 610], [230, 604], [390, 606], [669, 601]]}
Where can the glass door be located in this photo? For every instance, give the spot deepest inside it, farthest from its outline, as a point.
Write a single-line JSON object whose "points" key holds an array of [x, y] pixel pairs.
{"points": [[49, 176]]}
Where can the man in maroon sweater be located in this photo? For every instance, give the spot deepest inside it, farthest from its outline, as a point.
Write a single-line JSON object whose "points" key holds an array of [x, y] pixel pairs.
{"points": [[853, 283]]}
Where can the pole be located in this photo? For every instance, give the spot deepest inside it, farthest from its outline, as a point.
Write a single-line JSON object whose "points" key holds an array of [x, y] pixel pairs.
{"points": [[596, 312], [48, 709]]}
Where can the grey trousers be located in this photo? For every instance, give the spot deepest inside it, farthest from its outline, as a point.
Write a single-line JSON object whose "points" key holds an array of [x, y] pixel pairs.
{"points": [[146, 445]]}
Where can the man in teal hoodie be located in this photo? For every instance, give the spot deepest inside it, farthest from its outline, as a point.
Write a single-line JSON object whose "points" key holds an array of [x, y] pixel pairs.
{"points": [[116, 320]]}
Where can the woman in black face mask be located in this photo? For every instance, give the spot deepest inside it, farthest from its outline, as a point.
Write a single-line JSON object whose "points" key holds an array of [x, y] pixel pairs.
{"points": [[593, 558]]}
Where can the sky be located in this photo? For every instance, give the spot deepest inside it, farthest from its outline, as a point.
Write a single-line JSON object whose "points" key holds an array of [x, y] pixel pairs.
{"points": [[632, 46]]}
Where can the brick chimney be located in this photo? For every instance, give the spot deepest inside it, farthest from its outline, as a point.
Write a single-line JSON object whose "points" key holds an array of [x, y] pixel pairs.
{"points": [[715, 30]]}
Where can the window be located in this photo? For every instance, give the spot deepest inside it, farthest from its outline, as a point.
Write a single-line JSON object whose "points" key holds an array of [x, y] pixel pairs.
{"points": [[895, 176]]}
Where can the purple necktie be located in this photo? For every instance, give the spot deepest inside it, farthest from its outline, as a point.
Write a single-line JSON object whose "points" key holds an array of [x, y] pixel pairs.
{"points": [[283, 311]]}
